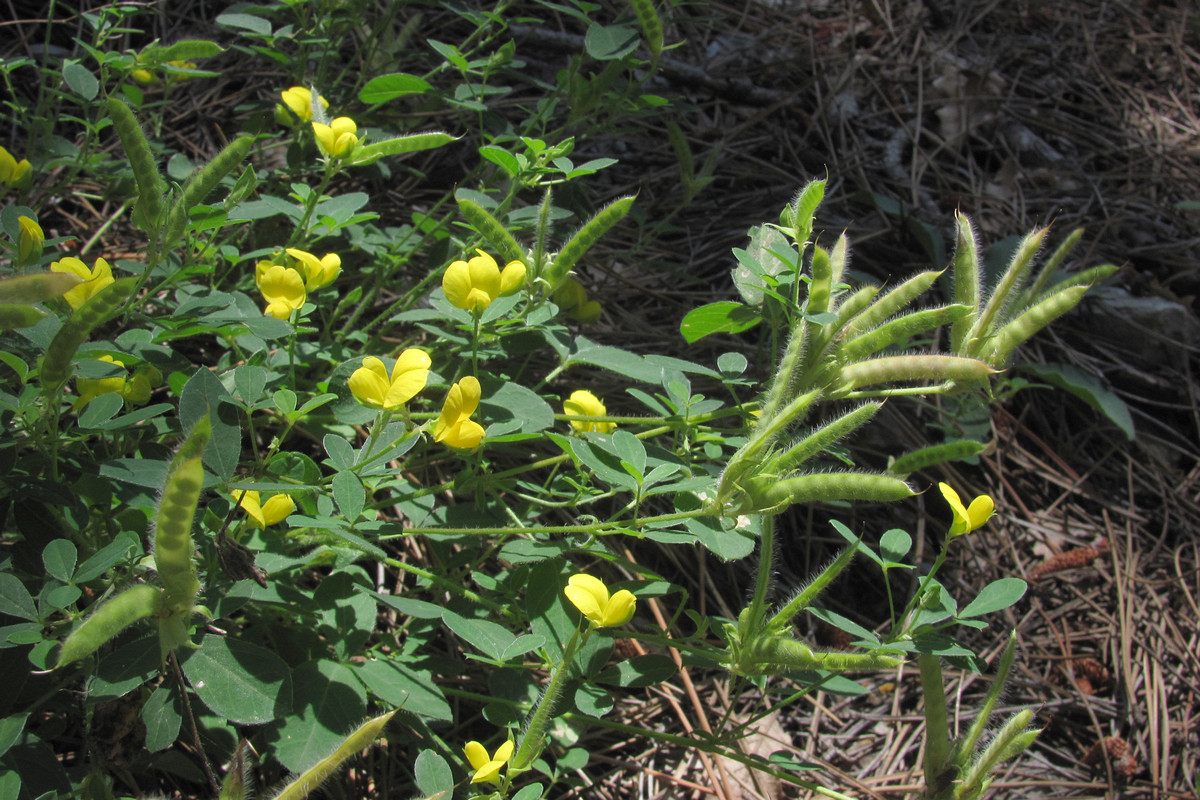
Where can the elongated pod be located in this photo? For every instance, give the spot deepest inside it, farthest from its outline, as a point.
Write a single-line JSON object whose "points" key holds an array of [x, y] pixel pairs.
{"points": [[584, 238], [312, 778], [998, 349], [490, 228], [203, 182], [56, 364], [151, 186], [771, 655], [108, 619]]}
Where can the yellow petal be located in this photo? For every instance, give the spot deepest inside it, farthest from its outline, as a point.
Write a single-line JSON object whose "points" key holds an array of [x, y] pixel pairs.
{"points": [[456, 283], [249, 503], [620, 608], [476, 754], [589, 595], [409, 376], [504, 752], [980, 511], [278, 508], [512, 278], [370, 383]]}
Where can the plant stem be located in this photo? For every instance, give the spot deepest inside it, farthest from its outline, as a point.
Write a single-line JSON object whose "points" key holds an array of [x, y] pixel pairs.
{"points": [[937, 734], [535, 732]]}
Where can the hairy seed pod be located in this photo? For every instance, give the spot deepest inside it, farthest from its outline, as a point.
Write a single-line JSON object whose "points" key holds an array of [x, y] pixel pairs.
{"points": [[822, 438], [936, 454], [1051, 266], [771, 655], [490, 228], [913, 368], [782, 619], [151, 186], [173, 532], [891, 303], [772, 496], [38, 287], [851, 306], [1087, 277], [966, 279], [838, 257], [1005, 292], [1037, 317], [56, 364], [108, 619], [651, 26], [203, 182], [819, 290], [352, 745], [901, 328], [584, 238]]}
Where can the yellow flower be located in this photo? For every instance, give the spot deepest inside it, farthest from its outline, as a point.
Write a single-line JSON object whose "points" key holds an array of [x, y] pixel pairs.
{"points": [[94, 279], [583, 403], [276, 509], [12, 171], [145, 378], [455, 426], [571, 298], [299, 100], [317, 272], [282, 288], [143, 76], [29, 245], [591, 597], [474, 284], [337, 138], [487, 768], [91, 388], [967, 519], [372, 385]]}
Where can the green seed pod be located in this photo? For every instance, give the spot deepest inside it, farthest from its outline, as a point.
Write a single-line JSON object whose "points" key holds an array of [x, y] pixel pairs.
{"points": [[651, 26], [38, 287], [913, 368], [851, 306], [1087, 277], [151, 186], [1051, 266], [901, 328], [203, 182], [966, 279], [584, 238], [838, 257], [771, 496], [782, 619], [820, 289], [352, 745], [891, 303], [491, 230], [1009, 741], [13, 315], [56, 364], [107, 620], [238, 777], [822, 438], [1039, 316], [1005, 292], [774, 654], [937, 454], [541, 235], [797, 217], [173, 532]]}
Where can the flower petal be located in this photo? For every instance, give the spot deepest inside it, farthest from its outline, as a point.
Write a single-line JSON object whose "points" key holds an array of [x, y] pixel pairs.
{"points": [[980, 511], [278, 508], [620, 608], [504, 752], [456, 283], [476, 754], [588, 594]]}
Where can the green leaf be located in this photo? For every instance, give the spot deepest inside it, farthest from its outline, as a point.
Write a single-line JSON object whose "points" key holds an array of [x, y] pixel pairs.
{"points": [[340, 451], [388, 87], [610, 42], [433, 774], [349, 494], [411, 689], [848, 625], [593, 701], [510, 407], [894, 545], [329, 701], [638, 672], [81, 80], [997, 595], [202, 395], [485, 636], [15, 599], [631, 452], [1088, 388], [162, 718], [59, 558], [498, 155], [185, 50], [124, 669], [242, 682], [10, 730], [725, 316], [246, 22]]}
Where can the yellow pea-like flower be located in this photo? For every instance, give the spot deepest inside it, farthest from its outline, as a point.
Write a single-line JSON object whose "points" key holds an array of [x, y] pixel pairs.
{"points": [[487, 768], [572, 300], [12, 171], [32, 238], [337, 138], [373, 386], [299, 100], [455, 426], [967, 518], [318, 272], [583, 403], [94, 279], [276, 509], [474, 284], [143, 76], [591, 597], [282, 288]]}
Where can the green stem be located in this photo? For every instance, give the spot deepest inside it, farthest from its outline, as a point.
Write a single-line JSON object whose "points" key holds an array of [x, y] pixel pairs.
{"points": [[535, 732], [937, 732], [750, 624]]}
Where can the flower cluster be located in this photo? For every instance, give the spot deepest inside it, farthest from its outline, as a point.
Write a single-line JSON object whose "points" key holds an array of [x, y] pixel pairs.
{"points": [[583, 403], [338, 138], [134, 389], [591, 597], [285, 287], [474, 284], [967, 519], [94, 279], [13, 172]]}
